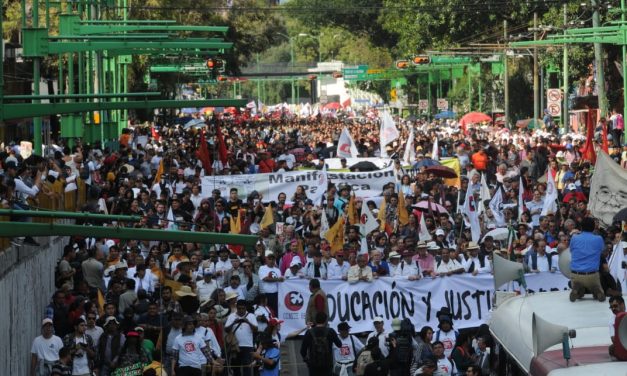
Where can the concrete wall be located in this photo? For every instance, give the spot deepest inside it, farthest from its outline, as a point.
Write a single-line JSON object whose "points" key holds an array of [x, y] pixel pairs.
{"points": [[26, 286]]}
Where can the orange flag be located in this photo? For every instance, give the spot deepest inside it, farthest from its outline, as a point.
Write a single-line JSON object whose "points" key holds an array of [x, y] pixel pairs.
{"points": [[381, 215], [352, 216], [403, 216]]}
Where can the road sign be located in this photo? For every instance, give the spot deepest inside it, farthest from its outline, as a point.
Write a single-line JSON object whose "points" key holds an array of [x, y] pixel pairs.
{"points": [[442, 104], [355, 73], [423, 104], [555, 109]]}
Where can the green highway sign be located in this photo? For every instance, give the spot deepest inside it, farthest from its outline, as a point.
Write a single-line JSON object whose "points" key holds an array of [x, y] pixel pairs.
{"points": [[355, 73]]}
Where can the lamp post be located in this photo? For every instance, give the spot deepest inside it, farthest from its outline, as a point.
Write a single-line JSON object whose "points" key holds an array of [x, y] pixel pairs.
{"points": [[291, 41]]}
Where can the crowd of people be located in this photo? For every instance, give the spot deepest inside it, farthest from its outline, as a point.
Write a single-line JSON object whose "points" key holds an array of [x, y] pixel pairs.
{"points": [[176, 307]]}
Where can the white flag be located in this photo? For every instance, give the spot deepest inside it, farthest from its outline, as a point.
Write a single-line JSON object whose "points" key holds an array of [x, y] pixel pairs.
{"points": [[472, 215], [367, 220], [346, 147], [324, 224], [322, 184], [409, 156], [496, 206], [388, 131], [171, 219], [615, 265], [484, 193], [521, 203], [260, 106], [550, 197], [424, 232], [363, 247], [435, 153]]}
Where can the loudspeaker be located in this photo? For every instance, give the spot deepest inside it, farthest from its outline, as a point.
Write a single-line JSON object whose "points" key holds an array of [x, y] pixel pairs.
{"points": [[546, 334], [505, 271], [564, 262], [620, 336]]}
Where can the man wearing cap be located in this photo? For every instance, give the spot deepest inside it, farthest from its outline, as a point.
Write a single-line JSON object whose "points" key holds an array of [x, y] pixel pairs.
{"points": [[206, 286], [394, 262], [270, 277], [244, 325], [295, 269], [448, 266], [290, 254], [446, 334], [424, 260], [380, 334], [109, 345], [346, 354], [44, 350]]}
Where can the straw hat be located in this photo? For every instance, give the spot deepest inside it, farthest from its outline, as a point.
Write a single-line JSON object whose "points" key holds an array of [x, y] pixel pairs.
{"points": [[185, 291]]}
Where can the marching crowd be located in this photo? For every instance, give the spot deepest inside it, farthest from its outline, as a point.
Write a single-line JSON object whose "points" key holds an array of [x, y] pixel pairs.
{"points": [[149, 307]]}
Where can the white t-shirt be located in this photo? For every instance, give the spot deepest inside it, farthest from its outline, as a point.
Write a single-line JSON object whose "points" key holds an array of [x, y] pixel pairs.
{"points": [[94, 333], [382, 342], [347, 353], [205, 289], [448, 340], [80, 364], [244, 332], [446, 367], [47, 349], [189, 349], [262, 311], [207, 335], [273, 272]]}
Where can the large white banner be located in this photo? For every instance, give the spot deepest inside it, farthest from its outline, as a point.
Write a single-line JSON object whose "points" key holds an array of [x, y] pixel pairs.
{"points": [[364, 184], [469, 298], [608, 189]]}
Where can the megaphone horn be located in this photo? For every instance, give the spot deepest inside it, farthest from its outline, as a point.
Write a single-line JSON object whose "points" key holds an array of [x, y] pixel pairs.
{"points": [[546, 334], [505, 271], [564, 262]]}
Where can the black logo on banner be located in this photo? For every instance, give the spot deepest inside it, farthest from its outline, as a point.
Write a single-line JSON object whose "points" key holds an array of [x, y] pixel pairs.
{"points": [[294, 301]]}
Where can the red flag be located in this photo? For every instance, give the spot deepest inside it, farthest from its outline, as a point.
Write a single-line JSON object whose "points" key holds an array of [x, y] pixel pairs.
{"points": [[346, 103], [587, 151], [203, 154], [222, 152], [154, 134], [605, 145]]}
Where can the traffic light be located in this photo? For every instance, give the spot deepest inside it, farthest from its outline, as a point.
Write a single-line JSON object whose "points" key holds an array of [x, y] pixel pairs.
{"points": [[420, 60], [222, 78], [337, 75], [312, 77], [216, 65], [402, 64]]}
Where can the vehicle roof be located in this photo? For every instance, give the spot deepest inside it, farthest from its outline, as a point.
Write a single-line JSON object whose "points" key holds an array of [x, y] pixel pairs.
{"points": [[511, 322]]}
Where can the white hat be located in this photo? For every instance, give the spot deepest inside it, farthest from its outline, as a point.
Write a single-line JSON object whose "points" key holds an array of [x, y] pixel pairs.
{"points": [[53, 173], [472, 245], [109, 243], [46, 321], [231, 295], [295, 262], [121, 265], [439, 232], [571, 187], [433, 246], [378, 319], [269, 253], [185, 291], [394, 254], [207, 271]]}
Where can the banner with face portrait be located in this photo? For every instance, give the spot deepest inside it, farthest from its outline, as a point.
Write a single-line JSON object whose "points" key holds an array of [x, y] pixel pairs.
{"points": [[608, 189]]}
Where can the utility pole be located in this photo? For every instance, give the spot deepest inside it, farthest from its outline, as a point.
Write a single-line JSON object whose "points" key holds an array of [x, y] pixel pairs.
{"points": [[505, 75], [565, 117], [536, 84], [598, 61], [37, 136]]}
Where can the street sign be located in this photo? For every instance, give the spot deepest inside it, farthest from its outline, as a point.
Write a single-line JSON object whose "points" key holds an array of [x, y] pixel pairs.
{"points": [[355, 73], [554, 102], [442, 104], [423, 104]]}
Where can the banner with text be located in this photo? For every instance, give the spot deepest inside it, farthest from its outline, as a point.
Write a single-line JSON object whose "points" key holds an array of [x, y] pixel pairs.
{"points": [[468, 297], [364, 184]]}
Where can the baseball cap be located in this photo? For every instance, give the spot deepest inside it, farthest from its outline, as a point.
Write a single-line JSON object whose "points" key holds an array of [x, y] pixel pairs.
{"points": [[343, 326], [110, 320], [46, 321], [274, 322], [439, 232], [295, 261], [269, 253], [378, 319], [396, 324]]}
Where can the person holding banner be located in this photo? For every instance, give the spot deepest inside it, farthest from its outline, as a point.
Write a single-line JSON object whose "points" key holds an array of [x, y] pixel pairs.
{"points": [[361, 271]]}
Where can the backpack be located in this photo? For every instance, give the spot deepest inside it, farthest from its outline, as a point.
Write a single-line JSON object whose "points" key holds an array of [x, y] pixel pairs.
{"points": [[364, 358], [404, 350], [319, 352], [84, 172]]}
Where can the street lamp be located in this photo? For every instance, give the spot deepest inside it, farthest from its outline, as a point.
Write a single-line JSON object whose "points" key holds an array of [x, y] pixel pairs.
{"points": [[291, 41]]}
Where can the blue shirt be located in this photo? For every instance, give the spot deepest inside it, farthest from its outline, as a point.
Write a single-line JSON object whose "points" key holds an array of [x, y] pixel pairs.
{"points": [[272, 353], [585, 249]]}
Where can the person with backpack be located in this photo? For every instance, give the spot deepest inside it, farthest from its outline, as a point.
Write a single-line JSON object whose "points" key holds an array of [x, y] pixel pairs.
{"points": [[367, 356], [345, 355], [446, 335], [316, 347], [402, 346]]}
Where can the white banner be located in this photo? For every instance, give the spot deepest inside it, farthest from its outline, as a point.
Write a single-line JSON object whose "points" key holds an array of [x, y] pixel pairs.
{"points": [[364, 184], [469, 298]]}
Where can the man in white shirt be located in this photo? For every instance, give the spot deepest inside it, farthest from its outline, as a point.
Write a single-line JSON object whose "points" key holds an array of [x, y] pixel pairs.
{"points": [[475, 264], [93, 330], [381, 335], [408, 268], [244, 325], [208, 335], [535, 207], [394, 263], [190, 352], [448, 266], [270, 276], [223, 264], [445, 365], [234, 286], [345, 355], [143, 279], [207, 286], [44, 350], [315, 268], [361, 271], [338, 269], [538, 260], [295, 270]]}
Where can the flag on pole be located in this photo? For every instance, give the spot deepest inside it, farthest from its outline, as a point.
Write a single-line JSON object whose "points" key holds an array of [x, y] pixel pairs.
{"points": [[521, 202], [381, 215], [159, 173], [484, 193], [350, 208], [321, 187], [388, 131], [154, 134], [368, 221], [550, 197], [203, 154], [615, 264], [496, 206], [409, 156], [511, 238], [472, 215], [346, 147], [403, 216], [335, 236], [324, 225], [268, 217], [424, 234], [435, 152], [222, 150]]}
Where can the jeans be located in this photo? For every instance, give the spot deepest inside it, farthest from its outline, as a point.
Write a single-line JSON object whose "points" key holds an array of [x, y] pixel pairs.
{"points": [[241, 362], [188, 371]]}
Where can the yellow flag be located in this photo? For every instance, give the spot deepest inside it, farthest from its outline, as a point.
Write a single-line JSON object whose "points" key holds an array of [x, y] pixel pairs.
{"points": [[381, 215], [236, 224], [268, 217], [159, 172], [335, 236], [350, 208], [101, 304], [403, 216]]}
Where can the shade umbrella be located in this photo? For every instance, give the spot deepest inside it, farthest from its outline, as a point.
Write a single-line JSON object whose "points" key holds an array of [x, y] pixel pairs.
{"points": [[197, 123], [426, 205], [475, 117], [441, 171], [498, 234], [189, 110], [621, 216], [579, 196], [530, 123], [332, 106], [426, 162], [411, 118], [446, 115], [364, 166]]}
